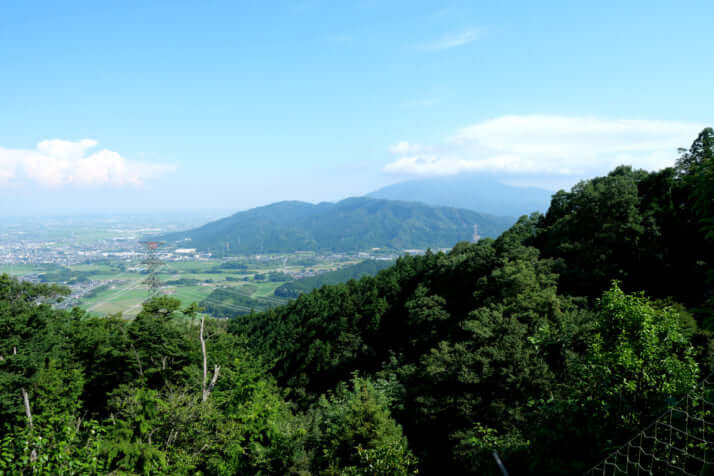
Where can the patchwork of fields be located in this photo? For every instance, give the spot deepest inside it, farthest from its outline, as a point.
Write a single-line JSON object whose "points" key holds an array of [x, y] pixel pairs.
{"points": [[116, 287]]}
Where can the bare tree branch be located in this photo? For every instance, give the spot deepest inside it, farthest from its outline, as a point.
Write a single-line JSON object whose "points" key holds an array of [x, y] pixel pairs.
{"points": [[28, 411], [138, 360], [26, 402], [79, 423], [216, 370], [206, 390]]}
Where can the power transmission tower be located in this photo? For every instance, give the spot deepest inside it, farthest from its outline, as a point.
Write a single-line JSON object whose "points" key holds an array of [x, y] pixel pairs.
{"points": [[153, 263]]}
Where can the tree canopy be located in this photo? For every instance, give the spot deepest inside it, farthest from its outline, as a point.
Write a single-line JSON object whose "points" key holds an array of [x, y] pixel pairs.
{"points": [[551, 345]]}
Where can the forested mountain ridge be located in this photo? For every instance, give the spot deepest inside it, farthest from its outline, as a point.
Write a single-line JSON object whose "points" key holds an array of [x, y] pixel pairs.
{"points": [[524, 344], [350, 225], [469, 191], [552, 345]]}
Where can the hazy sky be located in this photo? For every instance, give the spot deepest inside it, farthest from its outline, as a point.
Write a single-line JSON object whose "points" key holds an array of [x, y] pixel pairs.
{"points": [[125, 106]]}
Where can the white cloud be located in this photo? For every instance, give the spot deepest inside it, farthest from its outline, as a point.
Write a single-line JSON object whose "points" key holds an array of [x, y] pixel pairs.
{"points": [[60, 162], [554, 145], [451, 165], [404, 147], [65, 149], [454, 40]]}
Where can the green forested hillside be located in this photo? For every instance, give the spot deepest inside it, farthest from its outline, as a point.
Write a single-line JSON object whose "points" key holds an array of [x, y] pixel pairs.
{"points": [[350, 225], [552, 344], [366, 268], [525, 344]]}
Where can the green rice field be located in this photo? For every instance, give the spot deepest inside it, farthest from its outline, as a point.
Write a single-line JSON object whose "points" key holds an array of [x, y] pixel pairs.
{"points": [[118, 287]]}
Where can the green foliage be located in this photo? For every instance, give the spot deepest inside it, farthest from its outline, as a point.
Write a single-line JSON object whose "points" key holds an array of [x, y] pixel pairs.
{"points": [[342, 275], [352, 432], [236, 301], [157, 342], [129, 446], [110, 396], [523, 345], [597, 229], [696, 168], [337, 320], [643, 229], [60, 274], [353, 224], [57, 446], [34, 342], [232, 266], [476, 445], [638, 358], [276, 277], [108, 358], [517, 345], [459, 360]]}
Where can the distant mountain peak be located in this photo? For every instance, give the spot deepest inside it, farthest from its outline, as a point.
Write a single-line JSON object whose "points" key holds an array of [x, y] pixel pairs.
{"points": [[470, 191]]}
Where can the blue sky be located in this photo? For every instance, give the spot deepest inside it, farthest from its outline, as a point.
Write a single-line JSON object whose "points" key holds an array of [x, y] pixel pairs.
{"points": [[124, 106]]}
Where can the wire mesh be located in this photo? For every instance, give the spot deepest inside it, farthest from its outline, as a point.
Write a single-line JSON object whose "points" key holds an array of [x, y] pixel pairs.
{"points": [[679, 442]]}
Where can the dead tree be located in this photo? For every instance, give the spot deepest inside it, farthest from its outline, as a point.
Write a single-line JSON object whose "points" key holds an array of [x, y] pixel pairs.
{"points": [[28, 410], [206, 387], [25, 397], [26, 403]]}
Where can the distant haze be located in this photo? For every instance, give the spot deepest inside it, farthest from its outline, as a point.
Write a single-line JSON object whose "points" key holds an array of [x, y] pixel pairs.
{"points": [[472, 192], [126, 107]]}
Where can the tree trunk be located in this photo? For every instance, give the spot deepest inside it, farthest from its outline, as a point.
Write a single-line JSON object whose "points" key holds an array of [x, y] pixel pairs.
{"points": [[26, 402], [28, 413], [138, 360], [206, 389]]}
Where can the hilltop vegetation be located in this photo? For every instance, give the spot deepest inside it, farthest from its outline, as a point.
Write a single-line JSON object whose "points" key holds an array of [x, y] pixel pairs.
{"points": [[524, 344], [350, 225], [366, 268], [551, 344]]}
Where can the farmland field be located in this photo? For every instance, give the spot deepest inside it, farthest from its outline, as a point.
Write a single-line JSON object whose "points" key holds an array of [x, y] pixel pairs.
{"points": [[115, 284]]}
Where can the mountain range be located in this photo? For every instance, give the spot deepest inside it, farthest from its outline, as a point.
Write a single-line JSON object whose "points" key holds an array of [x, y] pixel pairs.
{"points": [[353, 224], [470, 191]]}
